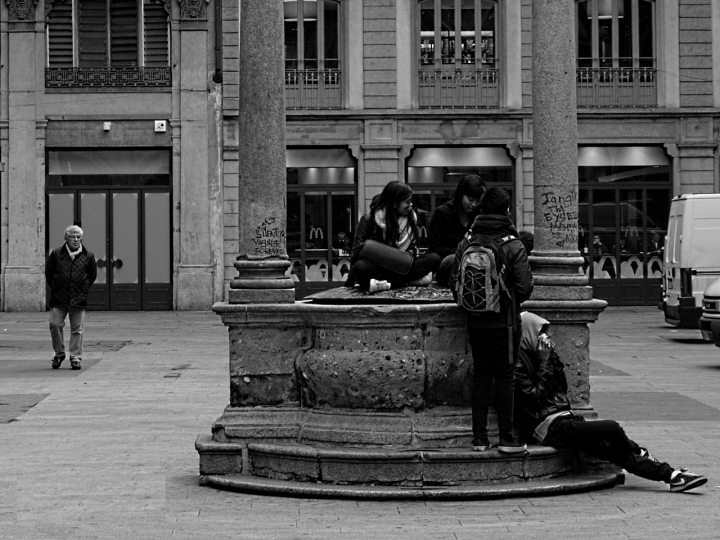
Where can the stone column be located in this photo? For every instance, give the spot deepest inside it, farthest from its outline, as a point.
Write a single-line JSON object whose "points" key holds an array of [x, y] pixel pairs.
{"points": [[195, 273], [562, 294], [23, 280], [262, 260]]}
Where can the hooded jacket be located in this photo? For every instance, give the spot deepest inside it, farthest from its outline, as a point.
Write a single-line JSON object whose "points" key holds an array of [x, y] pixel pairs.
{"points": [[540, 387], [70, 279], [516, 261]]}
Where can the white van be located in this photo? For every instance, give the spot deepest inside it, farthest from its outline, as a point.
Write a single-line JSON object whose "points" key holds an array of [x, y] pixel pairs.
{"points": [[692, 256]]}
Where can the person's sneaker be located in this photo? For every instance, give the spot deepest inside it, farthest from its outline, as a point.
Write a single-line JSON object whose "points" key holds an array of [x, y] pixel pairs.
{"points": [[685, 481], [644, 452], [512, 447], [377, 285], [480, 446], [422, 282], [57, 361], [75, 363]]}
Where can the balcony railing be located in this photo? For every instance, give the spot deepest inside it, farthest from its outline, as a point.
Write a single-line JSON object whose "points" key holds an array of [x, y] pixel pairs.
{"points": [[98, 77], [617, 87], [458, 88], [313, 89]]}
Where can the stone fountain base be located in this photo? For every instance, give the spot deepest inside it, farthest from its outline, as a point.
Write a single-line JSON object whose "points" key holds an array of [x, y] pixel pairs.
{"points": [[371, 401]]}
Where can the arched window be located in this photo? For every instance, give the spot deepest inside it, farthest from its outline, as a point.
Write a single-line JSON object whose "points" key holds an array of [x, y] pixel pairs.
{"points": [[616, 43], [312, 54], [458, 53]]}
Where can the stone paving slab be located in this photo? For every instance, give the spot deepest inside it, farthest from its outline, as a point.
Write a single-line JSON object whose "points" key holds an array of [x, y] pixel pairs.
{"points": [[109, 453]]}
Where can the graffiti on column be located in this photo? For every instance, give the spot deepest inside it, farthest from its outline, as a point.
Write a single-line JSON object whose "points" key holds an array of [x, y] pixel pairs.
{"points": [[561, 217], [269, 239]]}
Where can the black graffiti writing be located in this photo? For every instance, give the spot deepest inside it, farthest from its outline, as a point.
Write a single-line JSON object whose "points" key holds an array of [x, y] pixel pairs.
{"points": [[269, 240], [561, 216]]}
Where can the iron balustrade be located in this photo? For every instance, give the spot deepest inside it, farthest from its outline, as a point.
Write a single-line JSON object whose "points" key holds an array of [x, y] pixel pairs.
{"points": [[84, 77], [313, 89], [461, 87], [617, 87]]}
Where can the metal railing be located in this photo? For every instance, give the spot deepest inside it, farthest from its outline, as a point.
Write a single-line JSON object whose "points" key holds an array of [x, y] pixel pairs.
{"points": [[313, 89], [617, 87], [131, 77], [458, 88]]}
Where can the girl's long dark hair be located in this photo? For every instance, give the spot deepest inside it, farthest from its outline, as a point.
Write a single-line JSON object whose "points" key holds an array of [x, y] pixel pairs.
{"points": [[393, 193], [472, 186]]}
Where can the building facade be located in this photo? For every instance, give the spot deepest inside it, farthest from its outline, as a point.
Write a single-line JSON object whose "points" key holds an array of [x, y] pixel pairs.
{"points": [[130, 128]]}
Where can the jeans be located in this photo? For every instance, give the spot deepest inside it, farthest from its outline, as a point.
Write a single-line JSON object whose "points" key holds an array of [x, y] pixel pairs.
{"points": [[422, 265], [57, 322], [605, 440], [491, 361], [443, 273]]}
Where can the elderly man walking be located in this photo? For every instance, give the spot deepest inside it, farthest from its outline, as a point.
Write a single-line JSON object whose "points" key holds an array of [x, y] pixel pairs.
{"points": [[70, 271]]}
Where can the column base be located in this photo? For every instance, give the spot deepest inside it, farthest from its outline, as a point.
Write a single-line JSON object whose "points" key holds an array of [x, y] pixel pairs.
{"points": [[262, 282], [195, 287], [23, 289]]}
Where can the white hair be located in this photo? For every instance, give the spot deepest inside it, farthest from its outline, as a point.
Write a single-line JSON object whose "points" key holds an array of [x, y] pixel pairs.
{"points": [[73, 229]]}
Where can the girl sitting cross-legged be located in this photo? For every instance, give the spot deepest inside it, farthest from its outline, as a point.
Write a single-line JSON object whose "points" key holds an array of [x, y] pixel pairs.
{"points": [[392, 221]]}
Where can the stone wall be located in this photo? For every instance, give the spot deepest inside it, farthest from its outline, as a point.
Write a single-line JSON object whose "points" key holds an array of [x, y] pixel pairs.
{"points": [[696, 69]]}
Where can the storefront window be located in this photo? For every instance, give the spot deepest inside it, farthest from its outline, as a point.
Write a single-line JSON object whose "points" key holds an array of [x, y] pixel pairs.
{"points": [[321, 221], [625, 195]]}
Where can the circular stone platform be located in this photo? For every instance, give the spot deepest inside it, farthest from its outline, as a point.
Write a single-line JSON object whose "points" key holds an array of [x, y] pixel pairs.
{"points": [[394, 473]]}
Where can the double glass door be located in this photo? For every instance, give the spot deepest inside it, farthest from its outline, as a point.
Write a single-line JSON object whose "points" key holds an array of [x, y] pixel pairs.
{"points": [[129, 231]]}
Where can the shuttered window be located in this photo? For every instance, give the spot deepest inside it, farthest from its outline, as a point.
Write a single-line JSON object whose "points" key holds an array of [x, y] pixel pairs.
{"points": [[108, 33], [60, 36]]}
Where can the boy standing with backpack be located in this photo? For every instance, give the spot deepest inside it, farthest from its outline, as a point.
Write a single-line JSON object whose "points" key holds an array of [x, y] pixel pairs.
{"points": [[490, 278]]}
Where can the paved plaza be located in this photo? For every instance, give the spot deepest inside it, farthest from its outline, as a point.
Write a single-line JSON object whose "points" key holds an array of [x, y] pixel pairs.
{"points": [[108, 452]]}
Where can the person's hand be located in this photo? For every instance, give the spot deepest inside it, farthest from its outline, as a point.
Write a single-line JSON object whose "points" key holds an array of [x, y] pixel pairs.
{"points": [[545, 347]]}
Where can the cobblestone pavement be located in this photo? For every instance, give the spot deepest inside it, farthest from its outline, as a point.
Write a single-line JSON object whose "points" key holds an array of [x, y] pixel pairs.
{"points": [[108, 452]]}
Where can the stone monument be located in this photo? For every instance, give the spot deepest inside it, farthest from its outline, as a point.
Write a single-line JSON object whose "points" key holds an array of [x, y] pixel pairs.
{"points": [[369, 399]]}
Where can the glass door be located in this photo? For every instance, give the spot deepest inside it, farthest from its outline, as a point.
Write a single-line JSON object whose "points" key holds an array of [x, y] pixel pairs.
{"points": [[125, 252]]}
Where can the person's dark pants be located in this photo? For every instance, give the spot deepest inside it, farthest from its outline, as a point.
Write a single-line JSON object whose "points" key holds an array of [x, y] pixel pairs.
{"points": [[443, 273], [492, 360], [605, 440], [422, 265]]}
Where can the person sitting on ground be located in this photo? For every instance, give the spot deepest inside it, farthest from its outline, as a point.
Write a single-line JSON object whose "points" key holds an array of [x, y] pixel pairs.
{"points": [[543, 414], [452, 220], [392, 221]]}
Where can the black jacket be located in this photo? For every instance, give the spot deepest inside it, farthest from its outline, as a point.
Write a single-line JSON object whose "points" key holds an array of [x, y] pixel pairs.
{"points": [[70, 280], [521, 279], [540, 390], [446, 231]]}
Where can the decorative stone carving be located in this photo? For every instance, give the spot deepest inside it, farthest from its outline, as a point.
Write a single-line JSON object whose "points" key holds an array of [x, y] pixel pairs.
{"points": [[193, 9], [21, 10]]}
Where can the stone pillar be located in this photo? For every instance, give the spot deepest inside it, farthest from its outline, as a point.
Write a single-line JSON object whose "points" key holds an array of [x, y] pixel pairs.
{"points": [[262, 260], [195, 275], [562, 294], [23, 280]]}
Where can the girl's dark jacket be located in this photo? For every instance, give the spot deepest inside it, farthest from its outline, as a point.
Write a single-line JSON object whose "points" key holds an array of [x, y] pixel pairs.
{"points": [[446, 231], [70, 280], [518, 269]]}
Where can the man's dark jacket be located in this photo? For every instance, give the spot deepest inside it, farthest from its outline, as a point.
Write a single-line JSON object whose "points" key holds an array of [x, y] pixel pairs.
{"points": [[446, 231], [540, 390], [70, 280], [517, 268]]}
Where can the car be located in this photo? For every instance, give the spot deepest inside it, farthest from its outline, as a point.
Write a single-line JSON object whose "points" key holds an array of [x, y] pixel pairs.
{"points": [[710, 319]]}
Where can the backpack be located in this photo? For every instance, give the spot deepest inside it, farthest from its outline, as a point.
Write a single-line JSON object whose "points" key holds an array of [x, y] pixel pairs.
{"points": [[482, 275]]}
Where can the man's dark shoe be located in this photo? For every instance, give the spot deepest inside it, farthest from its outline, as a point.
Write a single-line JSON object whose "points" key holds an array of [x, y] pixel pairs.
{"points": [[685, 481], [512, 447], [57, 361], [75, 363], [480, 446]]}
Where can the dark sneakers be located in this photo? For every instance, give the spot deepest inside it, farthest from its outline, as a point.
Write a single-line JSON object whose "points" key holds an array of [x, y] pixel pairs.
{"points": [[57, 361], [480, 446], [685, 481], [74, 363], [512, 447]]}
